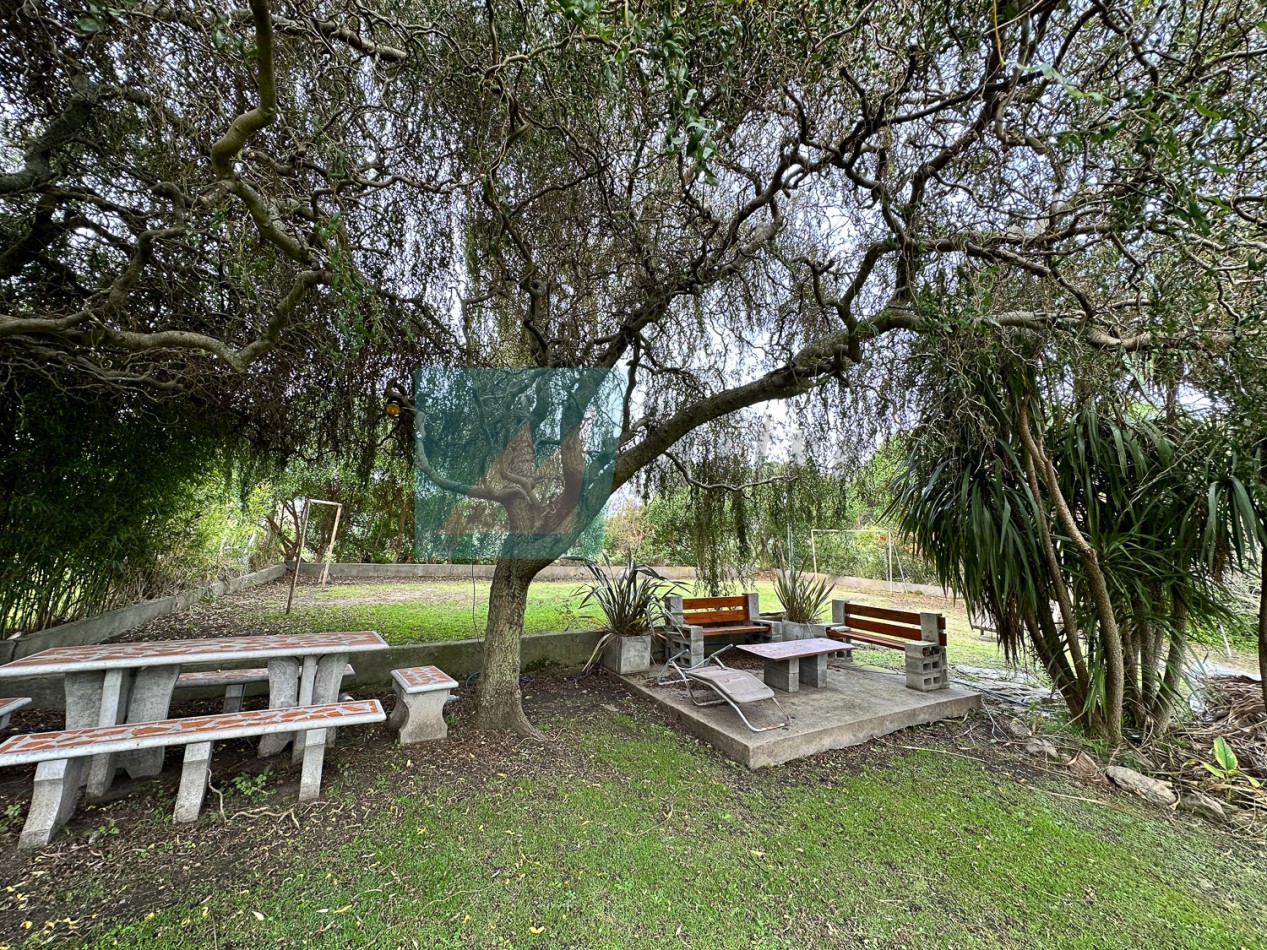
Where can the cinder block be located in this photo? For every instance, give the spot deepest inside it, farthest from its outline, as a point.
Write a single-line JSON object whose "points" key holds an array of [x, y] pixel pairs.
{"points": [[785, 676], [813, 670]]}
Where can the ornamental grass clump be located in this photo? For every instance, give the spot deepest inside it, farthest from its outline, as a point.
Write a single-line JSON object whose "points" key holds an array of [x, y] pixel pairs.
{"points": [[803, 597]]}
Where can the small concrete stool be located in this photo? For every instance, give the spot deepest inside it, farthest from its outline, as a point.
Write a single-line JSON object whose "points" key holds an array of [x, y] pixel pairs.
{"points": [[421, 692], [10, 706]]}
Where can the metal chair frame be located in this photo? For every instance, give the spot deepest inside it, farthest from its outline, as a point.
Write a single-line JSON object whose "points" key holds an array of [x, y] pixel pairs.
{"points": [[691, 683]]}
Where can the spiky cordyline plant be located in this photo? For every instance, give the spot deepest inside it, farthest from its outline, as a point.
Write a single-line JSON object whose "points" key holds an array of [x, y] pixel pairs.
{"points": [[630, 599], [803, 598]]}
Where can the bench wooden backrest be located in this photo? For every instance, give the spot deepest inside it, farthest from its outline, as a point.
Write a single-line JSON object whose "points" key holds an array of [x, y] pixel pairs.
{"points": [[700, 611], [899, 624]]}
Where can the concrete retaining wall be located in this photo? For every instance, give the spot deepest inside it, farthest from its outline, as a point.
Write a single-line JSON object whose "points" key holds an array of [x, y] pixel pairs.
{"points": [[113, 622]]}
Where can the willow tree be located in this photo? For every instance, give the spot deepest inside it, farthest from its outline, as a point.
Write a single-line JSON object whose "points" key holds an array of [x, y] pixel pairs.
{"points": [[740, 204], [197, 237], [733, 203]]}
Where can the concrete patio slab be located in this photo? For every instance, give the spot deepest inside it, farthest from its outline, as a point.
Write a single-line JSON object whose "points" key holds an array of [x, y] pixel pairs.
{"points": [[856, 705]]}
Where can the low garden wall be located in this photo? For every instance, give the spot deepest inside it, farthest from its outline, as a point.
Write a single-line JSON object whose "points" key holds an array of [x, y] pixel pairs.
{"points": [[102, 627]]}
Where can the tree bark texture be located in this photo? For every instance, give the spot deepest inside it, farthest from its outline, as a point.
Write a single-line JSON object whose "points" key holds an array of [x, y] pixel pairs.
{"points": [[499, 705]]}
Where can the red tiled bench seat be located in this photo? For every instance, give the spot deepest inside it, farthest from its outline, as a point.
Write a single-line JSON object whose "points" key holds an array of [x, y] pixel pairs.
{"points": [[10, 706], [62, 755]]}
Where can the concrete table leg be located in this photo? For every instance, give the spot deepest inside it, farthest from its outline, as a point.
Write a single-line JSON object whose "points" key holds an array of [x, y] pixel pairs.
{"points": [[696, 644], [419, 717], [113, 709], [193, 781], [283, 691], [151, 701], [233, 695], [314, 758], [783, 674], [814, 670], [83, 698], [327, 677], [56, 791]]}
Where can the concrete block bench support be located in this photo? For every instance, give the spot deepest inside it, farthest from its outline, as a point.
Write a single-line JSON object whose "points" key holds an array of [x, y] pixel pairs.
{"points": [[421, 692], [8, 707], [63, 757]]}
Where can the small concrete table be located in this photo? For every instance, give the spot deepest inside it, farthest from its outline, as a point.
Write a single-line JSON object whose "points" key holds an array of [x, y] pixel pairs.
{"points": [[113, 683], [783, 667]]}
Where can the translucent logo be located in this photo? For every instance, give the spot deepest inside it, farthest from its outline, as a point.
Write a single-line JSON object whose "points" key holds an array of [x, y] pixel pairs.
{"points": [[514, 464]]}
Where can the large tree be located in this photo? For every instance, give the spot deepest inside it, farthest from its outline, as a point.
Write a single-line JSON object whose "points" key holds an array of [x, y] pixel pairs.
{"points": [[738, 204], [734, 203]]}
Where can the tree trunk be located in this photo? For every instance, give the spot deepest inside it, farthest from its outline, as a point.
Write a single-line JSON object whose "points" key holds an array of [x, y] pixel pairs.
{"points": [[499, 704], [1110, 636]]}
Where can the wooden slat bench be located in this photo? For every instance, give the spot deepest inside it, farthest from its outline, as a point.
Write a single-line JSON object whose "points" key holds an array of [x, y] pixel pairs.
{"points": [[9, 706], [694, 618], [62, 756], [921, 636], [421, 692], [234, 682]]}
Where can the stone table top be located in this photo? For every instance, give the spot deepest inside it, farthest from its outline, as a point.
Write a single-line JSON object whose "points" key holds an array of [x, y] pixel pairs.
{"points": [[794, 649], [108, 656]]}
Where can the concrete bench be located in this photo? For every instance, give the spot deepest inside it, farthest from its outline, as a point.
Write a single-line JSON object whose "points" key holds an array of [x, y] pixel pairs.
{"points": [[234, 682], [921, 636], [421, 692], [10, 706], [62, 757]]}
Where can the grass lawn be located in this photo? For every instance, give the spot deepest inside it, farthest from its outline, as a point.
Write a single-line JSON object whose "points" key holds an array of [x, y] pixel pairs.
{"points": [[431, 610], [621, 832], [416, 611]]}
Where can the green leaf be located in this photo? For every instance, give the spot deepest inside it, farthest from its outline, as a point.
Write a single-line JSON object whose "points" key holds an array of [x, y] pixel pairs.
{"points": [[89, 25], [1224, 755]]}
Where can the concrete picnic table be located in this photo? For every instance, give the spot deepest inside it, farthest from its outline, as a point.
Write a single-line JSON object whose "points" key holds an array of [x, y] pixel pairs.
{"points": [[111, 683], [783, 669]]}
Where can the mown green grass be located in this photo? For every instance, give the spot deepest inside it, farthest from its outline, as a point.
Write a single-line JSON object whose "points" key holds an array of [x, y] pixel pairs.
{"points": [[637, 837], [435, 610]]}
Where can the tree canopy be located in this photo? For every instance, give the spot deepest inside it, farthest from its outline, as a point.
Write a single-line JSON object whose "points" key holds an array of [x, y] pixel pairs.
{"points": [[735, 203]]}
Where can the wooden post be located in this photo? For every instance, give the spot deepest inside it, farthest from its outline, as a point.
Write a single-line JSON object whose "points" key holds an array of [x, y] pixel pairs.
{"points": [[334, 535], [299, 555]]}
